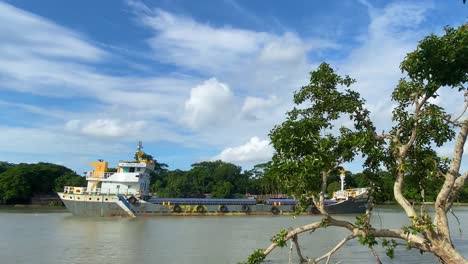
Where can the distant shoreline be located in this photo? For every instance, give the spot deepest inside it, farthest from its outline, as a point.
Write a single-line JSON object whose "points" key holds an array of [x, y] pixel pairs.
{"points": [[34, 208], [61, 208]]}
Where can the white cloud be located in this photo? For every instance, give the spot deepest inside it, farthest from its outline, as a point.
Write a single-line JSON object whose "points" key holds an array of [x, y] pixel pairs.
{"points": [[225, 50], [191, 44], [63, 66], [287, 48], [31, 61], [393, 32], [257, 71], [254, 151], [26, 29], [105, 127], [252, 63], [256, 107], [210, 103], [48, 141]]}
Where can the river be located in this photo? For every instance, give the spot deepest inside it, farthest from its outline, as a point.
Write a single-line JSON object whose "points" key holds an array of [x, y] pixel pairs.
{"points": [[58, 237]]}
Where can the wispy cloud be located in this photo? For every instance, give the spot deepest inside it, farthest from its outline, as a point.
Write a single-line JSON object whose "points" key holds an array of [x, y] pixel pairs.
{"points": [[223, 87], [39, 57], [18, 27], [198, 46], [393, 31]]}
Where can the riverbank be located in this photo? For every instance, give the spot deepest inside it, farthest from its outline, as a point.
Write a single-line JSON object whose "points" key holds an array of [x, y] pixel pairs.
{"points": [[32, 208]]}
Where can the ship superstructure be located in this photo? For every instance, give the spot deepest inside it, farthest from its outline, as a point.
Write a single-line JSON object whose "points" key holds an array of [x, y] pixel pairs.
{"points": [[128, 184], [346, 194]]}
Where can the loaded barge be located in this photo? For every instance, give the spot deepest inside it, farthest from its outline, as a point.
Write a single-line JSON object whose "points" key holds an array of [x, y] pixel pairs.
{"points": [[126, 193]]}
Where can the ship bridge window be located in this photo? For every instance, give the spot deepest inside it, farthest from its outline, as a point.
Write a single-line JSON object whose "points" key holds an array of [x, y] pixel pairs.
{"points": [[131, 169]]}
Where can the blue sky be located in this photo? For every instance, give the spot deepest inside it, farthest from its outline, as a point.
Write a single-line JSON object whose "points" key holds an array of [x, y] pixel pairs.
{"points": [[195, 80]]}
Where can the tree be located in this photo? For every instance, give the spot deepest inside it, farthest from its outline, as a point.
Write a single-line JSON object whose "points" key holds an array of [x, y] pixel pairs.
{"points": [[221, 179], [174, 184], [20, 182], [5, 166], [14, 187], [308, 148], [222, 190], [69, 179], [263, 179], [159, 168]]}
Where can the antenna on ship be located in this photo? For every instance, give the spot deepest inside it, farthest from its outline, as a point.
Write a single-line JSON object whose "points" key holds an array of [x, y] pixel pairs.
{"points": [[140, 145], [139, 152]]}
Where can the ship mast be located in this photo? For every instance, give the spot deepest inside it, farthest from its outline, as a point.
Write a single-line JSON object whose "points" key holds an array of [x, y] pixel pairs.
{"points": [[139, 152], [140, 145], [342, 178]]}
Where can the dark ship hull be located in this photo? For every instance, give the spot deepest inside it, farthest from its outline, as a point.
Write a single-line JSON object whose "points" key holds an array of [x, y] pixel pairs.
{"points": [[119, 205]]}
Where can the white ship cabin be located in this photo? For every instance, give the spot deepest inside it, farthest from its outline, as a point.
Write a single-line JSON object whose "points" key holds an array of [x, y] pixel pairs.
{"points": [[131, 178], [348, 193]]}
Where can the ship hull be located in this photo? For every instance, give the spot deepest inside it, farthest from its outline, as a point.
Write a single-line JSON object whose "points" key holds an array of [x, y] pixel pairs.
{"points": [[92, 205], [352, 206], [111, 205]]}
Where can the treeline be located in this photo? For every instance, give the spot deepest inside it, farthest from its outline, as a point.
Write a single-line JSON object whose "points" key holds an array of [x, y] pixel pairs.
{"points": [[20, 182], [226, 180]]}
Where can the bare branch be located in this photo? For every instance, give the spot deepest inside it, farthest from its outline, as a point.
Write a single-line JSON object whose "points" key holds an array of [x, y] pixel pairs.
{"points": [[386, 136], [377, 258], [322, 194], [457, 186], [290, 252], [295, 241], [398, 193], [417, 241], [404, 149], [299, 230], [370, 203], [455, 121], [458, 150], [458, 221], [312, 227], [401, 155], [448, 188], [333, 250]]}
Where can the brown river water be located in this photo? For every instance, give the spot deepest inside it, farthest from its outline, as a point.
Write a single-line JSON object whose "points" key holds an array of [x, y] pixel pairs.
{"points": [[31, 236]]}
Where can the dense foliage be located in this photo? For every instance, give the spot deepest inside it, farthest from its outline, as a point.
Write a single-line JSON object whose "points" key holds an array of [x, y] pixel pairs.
{"points": [[19, 182], [220, 179], [330, 126]]}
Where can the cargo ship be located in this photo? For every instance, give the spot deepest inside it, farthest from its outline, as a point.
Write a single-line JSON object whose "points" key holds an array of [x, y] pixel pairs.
{"points": [[125, 193]]}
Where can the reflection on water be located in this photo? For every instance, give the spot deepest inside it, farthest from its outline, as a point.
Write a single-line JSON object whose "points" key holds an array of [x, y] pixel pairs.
{"points": [[61, 238]]}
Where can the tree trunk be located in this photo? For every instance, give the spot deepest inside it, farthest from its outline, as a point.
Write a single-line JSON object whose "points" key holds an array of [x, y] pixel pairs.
{"points": [[448, 254]]}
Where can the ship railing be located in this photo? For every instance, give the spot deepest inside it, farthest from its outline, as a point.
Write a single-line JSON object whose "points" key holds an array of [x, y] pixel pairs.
{"points": [[95, 191], [349, 193], [100, 191], [103, 175], [341, 195], [360, 191], [113, 191], [74, 190]]}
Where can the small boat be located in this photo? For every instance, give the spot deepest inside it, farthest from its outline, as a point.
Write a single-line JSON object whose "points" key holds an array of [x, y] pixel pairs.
{"points": [[126, 193]]}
